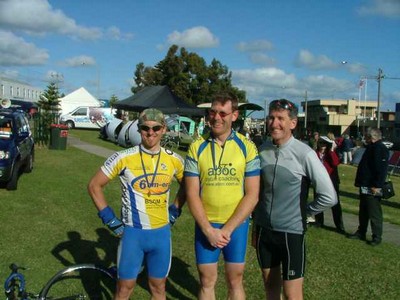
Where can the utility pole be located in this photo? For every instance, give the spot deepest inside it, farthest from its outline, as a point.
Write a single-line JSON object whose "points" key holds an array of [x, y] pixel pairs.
{"points": [[305, 112], [379, 78]]}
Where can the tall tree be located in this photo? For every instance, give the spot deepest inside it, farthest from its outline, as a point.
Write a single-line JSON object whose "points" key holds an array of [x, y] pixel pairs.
{"points": [[188, 76], [49, 103], [49, 108]]}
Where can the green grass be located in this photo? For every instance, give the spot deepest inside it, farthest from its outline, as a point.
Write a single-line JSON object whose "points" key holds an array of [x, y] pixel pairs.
{"points": [[51, 206]]}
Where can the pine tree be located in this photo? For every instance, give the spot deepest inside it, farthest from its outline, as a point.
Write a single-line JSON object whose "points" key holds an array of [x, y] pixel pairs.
{"points": [[49, 108]]}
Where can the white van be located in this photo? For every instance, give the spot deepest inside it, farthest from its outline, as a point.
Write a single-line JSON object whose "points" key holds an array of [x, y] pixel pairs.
{"points": [[88, 117]]}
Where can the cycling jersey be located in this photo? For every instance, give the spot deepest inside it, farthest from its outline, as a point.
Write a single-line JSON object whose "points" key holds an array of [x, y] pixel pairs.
{"points": [[145, 178], [222, 171], [287, 171]]}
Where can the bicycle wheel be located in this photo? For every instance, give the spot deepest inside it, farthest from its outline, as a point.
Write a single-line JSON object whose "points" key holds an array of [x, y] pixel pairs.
{"points": [[86, 281], [171, 145]]}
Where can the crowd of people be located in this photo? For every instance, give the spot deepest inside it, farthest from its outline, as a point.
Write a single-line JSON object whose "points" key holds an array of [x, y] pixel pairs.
{"points": [[226, 179]]}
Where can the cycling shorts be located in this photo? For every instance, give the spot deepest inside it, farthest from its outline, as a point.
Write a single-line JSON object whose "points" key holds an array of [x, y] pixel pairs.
{"points": [[274, 248], [234, 252], [151, 246]]}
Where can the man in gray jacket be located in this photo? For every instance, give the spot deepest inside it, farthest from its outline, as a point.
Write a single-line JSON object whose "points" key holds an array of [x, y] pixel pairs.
{"points": [[288, 167]]}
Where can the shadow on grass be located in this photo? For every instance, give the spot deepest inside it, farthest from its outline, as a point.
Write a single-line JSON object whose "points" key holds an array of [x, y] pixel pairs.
{"points": [[355, 196], [349, 195], [181, 276], [391, 203], [85, 252]]}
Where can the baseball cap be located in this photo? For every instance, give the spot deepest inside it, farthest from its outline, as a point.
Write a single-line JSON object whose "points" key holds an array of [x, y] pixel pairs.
{"points": [[326, 139], [151, 114]]}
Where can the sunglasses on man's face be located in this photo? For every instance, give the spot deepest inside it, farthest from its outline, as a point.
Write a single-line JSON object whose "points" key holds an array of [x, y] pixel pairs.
{"points": [[147, 128], [213, 113], [281, 104]]}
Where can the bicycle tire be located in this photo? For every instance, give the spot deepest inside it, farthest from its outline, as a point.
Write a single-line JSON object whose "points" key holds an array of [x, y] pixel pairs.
{"points": [[170, 145], [84, 281]]}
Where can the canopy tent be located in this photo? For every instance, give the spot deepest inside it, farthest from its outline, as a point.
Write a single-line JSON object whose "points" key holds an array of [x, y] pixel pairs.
{"points": [[246, 107], [159, 97], [79, 97]]}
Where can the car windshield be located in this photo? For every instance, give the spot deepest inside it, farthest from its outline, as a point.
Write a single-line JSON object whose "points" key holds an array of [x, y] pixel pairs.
{"points": [[5, 128]]}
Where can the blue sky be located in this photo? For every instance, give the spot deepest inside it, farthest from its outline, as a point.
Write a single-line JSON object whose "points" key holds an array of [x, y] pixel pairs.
{"points": [[274, 49]]}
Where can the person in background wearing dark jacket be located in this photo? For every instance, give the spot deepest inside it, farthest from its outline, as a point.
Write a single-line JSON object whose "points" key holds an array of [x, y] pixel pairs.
{"points": [[370, 177], [347, 146], [330, 160]]}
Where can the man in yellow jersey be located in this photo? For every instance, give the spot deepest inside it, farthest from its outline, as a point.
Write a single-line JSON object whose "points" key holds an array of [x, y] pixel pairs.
{"points": [[145, 172], [222, 177]]}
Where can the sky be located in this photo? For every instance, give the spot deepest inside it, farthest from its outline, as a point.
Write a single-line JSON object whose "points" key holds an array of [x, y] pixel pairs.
{"points": [[274, 49]]}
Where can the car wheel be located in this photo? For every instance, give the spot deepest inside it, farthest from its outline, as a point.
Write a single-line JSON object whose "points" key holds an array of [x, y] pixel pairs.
{"points": [[13, 182], [29, 163], [70, 124]]}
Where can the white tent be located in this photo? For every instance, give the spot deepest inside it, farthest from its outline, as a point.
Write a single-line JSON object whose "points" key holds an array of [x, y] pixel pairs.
{"points": [[79, 97]]}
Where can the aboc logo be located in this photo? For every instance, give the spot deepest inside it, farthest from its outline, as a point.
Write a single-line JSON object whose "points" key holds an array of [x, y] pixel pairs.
{"points": [[223, 169]]}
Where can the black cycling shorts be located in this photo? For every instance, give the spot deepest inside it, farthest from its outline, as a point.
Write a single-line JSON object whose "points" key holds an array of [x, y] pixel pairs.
{"points": [[275, 248]]}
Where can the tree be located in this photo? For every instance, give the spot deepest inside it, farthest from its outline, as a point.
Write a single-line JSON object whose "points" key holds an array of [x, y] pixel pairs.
{"points": [[113, 100], [49, 102], [188, 76], [49, 108]]}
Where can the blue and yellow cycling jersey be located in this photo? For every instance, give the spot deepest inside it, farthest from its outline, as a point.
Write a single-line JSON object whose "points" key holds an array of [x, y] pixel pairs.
{"points": [[145, 180], [222, 171]]}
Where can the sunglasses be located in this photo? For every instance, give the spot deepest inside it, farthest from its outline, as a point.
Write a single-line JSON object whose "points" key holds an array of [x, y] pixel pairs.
{"points": [[147, 128], [281, 104], [213, 113]]}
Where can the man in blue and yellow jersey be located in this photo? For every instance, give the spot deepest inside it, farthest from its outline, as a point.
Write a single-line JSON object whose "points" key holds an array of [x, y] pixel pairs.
{"points": [[145, 172], [222, 177]]}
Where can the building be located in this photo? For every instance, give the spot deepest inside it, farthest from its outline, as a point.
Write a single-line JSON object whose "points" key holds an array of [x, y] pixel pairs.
{"points": [[343, 116], [14, 89]]}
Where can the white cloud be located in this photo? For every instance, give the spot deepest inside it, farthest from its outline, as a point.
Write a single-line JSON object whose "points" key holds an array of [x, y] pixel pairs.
{"points": [[384, 8], [310, 61], [261, 59], [15, 51], [196, 37], [37, 17], [272, 83], [79, 61], [115, 33], [255, 46]]}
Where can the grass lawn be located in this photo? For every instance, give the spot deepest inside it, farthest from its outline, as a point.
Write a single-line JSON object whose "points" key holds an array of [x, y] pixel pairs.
{"points": [[50, 222]]}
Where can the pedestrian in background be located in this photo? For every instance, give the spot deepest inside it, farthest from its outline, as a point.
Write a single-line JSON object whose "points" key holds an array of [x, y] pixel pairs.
{"points": [[330, 160], [314, 140], [347, 148], [370, 178]]}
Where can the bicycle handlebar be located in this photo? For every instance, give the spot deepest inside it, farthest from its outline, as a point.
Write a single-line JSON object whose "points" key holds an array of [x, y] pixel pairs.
{"points": [[13, 279]]}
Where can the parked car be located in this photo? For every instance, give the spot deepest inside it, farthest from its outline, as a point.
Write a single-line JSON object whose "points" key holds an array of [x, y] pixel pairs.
{"points": [[87, 117], [16, 147]]}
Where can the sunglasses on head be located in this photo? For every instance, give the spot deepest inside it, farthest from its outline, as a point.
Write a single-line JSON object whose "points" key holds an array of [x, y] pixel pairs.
{"points": [[281, 104], [147, 128], [212, 113]]}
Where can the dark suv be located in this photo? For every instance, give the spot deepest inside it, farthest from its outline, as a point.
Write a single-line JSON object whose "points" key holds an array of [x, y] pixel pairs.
{"points": [[16, 147]]}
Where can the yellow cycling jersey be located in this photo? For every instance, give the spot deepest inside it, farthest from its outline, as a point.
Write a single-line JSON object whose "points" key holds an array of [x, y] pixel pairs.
{"points": [[222, 172], [145, 179]]}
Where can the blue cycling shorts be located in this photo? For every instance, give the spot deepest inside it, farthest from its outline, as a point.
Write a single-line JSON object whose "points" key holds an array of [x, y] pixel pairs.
{"points": [[151, 246], [234, 252]]}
